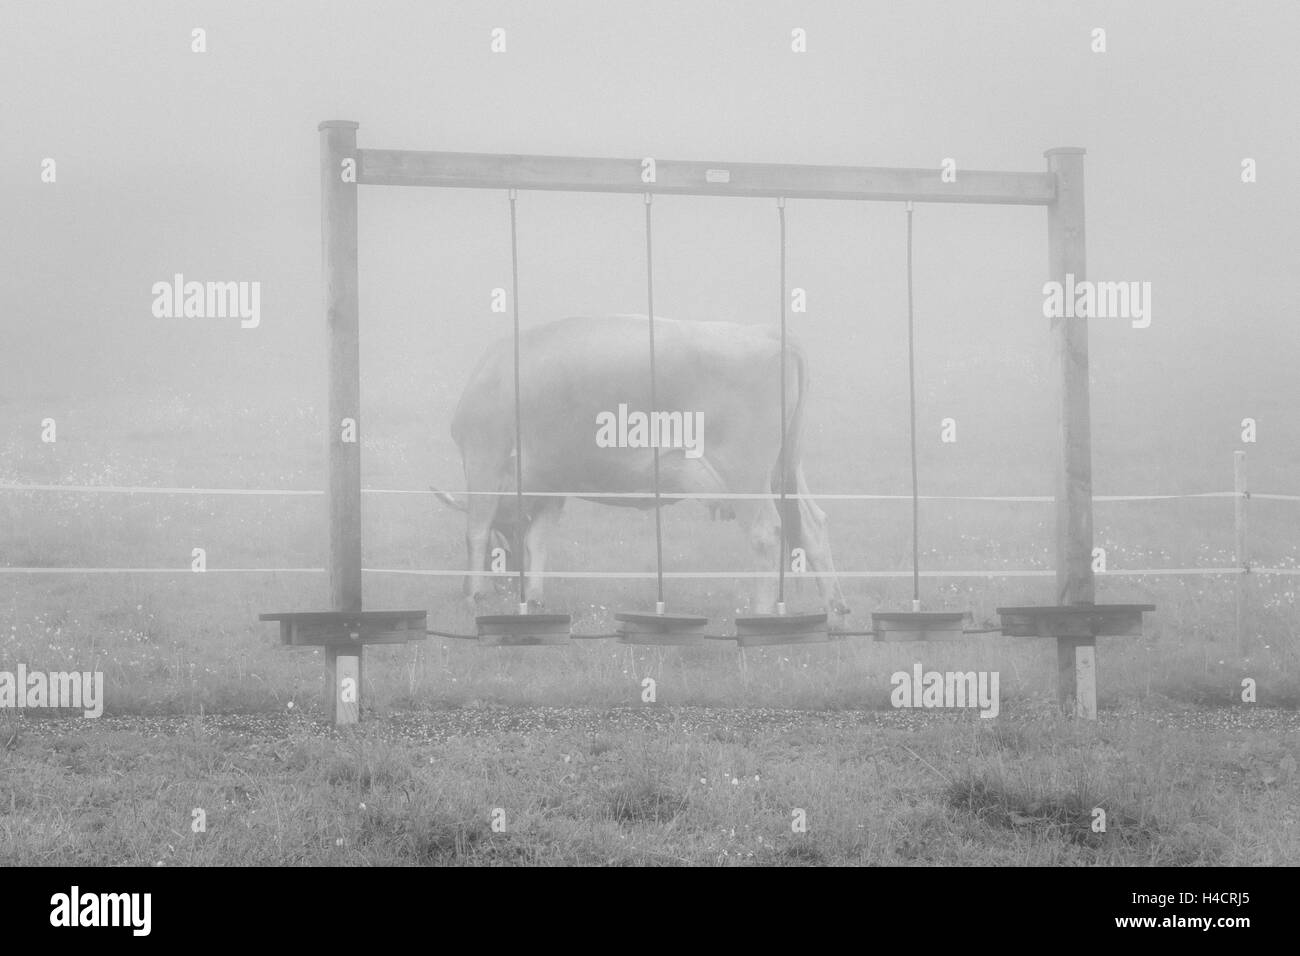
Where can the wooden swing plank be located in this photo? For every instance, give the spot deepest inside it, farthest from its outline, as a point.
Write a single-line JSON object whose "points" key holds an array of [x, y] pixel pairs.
{"points": [[669, 630], [524, 630], [918, 625], [762, 630]]}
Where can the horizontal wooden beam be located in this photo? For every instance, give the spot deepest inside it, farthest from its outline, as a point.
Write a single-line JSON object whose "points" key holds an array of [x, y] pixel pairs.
{"points": [[349, 628], [394, 167], [1074, 621]]}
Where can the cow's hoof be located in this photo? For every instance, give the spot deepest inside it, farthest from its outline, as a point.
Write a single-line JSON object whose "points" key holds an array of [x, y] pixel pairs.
{"points": [[840, 609], [536, 604]]}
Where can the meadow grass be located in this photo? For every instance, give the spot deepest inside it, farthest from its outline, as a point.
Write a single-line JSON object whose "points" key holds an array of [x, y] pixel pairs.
{"points": [[205, 710], [698, 788]]}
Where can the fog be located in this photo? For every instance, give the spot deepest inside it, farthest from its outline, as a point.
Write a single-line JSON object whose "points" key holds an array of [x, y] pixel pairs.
{"points": [[170, 161]]}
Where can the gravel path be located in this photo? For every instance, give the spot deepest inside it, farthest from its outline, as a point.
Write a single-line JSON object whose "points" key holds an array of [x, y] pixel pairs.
{"points": [[490, 720]]}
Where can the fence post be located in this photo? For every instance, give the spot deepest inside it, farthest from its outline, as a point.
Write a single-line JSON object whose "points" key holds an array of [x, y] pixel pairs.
{"points": [[1240, 556]]}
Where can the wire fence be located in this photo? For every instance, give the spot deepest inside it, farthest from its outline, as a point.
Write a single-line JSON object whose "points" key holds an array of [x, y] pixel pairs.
{"points": [[1241, 568], [680, 575], [628, 495]]}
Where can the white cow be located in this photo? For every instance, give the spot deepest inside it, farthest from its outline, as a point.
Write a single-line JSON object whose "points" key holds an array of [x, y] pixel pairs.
{"points": [[583, 383]]}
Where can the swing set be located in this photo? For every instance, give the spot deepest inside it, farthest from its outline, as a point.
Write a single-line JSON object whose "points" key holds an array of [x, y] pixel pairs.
{"points": [[1075, 620]]}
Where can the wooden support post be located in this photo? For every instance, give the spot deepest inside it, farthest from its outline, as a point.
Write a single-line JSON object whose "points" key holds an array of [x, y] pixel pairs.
{"points": [[343, 673], [1082, 675], [1241, 556], [343, 636], [339, 245], [338, 144], [1074, 579]]}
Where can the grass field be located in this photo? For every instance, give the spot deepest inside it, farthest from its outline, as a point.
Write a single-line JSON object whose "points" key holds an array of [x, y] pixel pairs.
{"points": [[205, 710], [656, 785], [182, 146]]}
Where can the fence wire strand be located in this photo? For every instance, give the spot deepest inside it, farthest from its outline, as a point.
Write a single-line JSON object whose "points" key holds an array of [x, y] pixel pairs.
{"points": [[720, 496], [447, 572], [684, 575]]}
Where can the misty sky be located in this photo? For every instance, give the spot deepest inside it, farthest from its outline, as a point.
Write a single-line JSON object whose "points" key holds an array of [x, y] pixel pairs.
{"points": [[171, 161]]}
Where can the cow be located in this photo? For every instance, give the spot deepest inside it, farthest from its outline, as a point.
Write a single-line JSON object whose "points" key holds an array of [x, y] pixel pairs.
{"points": [[576, 376]]}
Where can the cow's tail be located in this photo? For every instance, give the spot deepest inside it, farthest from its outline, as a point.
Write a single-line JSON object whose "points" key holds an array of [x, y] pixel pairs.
{"points": [[791, 522]]}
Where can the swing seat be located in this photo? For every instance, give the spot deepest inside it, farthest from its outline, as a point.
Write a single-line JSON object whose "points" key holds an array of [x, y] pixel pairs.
{"points": [[524, 630], [918, 625], [761, 630], [673, 630]]}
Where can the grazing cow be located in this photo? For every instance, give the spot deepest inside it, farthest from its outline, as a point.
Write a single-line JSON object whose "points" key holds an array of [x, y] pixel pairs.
{"points": [[583, 382]]}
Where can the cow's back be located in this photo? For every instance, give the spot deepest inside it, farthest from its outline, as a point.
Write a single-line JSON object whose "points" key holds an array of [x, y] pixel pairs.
{"points": [[575, 369]]}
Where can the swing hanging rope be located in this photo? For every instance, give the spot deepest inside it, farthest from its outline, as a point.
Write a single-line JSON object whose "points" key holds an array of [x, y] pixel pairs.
{"points": [[782, 555], [654, 407], [911, 394], [519, 447]]}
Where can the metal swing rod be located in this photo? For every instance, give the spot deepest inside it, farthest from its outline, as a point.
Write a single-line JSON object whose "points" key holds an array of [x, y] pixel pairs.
{"points": [[519, 446], [782, 555], [911, 396], [911, 412], [654, 407]]}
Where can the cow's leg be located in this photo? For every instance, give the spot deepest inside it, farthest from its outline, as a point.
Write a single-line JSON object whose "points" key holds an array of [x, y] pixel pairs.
{"points": [[478, 535], [501, 540], [762, 524], [542, 521], [816, 542], [758, 518]]}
